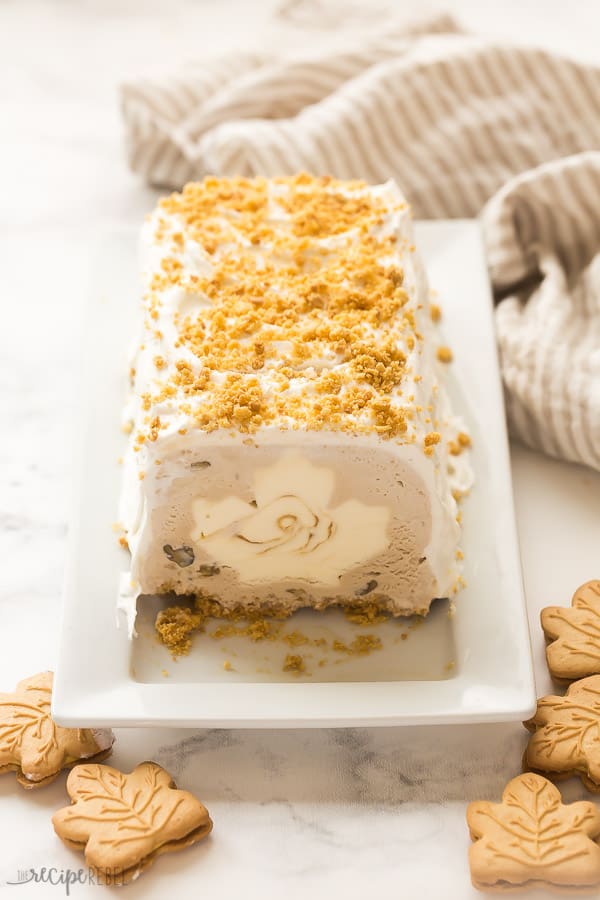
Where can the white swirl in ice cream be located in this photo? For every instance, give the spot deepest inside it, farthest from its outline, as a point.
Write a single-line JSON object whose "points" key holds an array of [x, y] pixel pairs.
{"points": [[290, 530]]}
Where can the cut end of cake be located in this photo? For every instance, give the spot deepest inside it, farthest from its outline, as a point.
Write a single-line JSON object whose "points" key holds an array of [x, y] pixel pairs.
{"points": [[275, 527]]}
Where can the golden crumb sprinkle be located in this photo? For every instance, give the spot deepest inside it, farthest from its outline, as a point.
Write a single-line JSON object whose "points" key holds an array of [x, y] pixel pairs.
{"points": [[294, 663], [435, 312], [365, 614], [362, 645], [295, 639], [462, 442], [430, 440], [444, 354], [175, 625]]}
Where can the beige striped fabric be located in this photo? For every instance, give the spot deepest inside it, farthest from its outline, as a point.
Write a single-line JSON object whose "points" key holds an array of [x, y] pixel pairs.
{"points": [[467, 127]]}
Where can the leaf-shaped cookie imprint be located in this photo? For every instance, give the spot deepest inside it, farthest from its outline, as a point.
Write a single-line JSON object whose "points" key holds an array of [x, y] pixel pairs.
{"points": [[566, 733], [532, 837], [123, 820], [21, 720], [574, 633]]}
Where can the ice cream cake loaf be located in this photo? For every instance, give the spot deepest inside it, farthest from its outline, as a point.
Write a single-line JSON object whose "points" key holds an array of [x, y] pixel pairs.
{"points": [[291, 441]]}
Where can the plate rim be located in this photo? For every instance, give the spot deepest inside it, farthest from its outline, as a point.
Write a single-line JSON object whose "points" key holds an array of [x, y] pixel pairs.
{"points": [[113, 698]]}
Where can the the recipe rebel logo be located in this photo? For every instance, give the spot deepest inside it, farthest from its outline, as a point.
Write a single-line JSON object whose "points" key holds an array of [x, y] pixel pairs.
{"points": [[67, 878]]}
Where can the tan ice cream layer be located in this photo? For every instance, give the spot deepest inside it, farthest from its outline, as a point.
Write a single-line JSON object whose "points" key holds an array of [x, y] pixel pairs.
{"points": [[290, 432], [277, 527]]}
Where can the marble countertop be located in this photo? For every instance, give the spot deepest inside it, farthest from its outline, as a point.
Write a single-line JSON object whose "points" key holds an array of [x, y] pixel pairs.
{"points": [[350, 811]]}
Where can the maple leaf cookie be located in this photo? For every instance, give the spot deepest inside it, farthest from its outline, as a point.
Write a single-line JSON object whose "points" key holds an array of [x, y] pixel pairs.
{"points": [[573, 634], [532, 839], [566, 734], [34, 746], [122, 822]]}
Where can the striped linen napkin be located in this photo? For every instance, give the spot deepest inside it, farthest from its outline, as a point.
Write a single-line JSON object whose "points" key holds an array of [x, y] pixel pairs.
{"points": [[467, 126]]}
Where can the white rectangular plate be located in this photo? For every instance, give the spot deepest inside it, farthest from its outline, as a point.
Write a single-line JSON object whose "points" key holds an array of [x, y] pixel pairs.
{"points": [[473, 666]]}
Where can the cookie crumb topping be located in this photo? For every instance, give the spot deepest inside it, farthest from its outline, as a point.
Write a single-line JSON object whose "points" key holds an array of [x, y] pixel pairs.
{"points": [[285, 302]]}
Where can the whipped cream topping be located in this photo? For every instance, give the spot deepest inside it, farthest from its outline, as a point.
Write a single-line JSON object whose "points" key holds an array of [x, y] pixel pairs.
{"points": [[291, 530], [169, 305]]}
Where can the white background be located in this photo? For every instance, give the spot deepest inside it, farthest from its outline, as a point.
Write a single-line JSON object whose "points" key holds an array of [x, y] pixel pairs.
{"points": [[355, 812]]}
